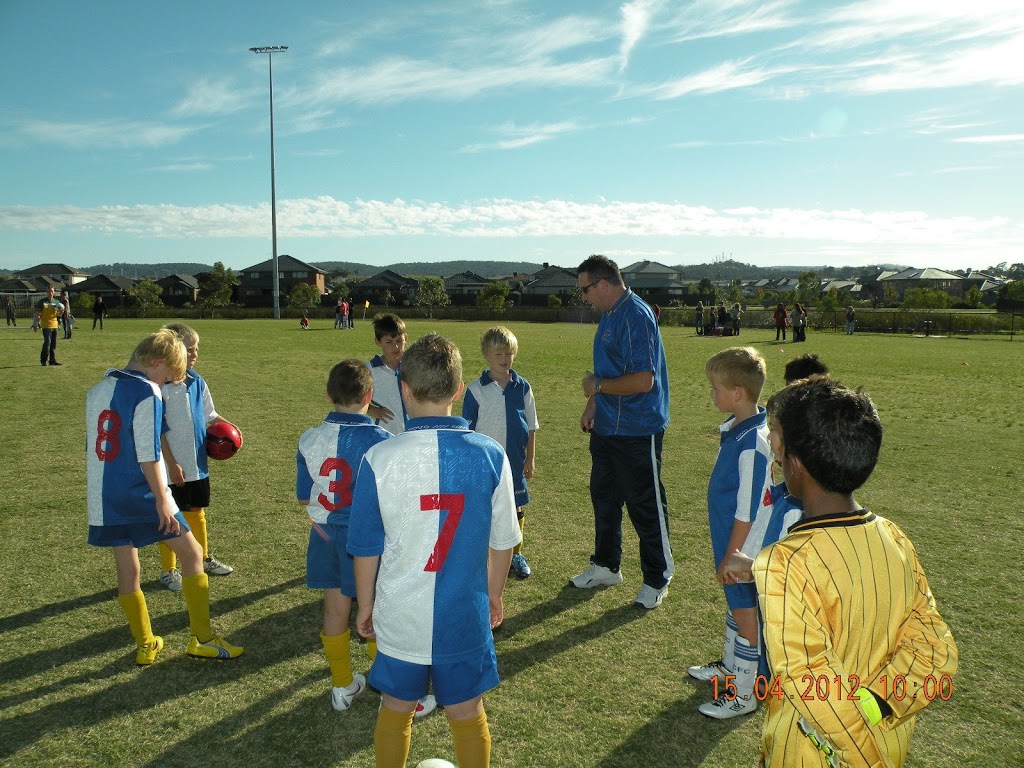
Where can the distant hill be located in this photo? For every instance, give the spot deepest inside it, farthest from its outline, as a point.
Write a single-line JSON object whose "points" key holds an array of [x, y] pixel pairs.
{"points": [[154, 271], [437, 268]]}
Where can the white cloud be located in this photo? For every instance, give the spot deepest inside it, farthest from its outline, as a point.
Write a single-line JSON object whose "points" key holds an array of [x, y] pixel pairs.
{"points": [[1005, 138], [214, 97], [186, 167], [104, 133], [517, 136], [636, 17]]}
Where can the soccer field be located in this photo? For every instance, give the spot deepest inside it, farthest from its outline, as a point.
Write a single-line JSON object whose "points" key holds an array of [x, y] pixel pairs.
{"points": [[587, 679]]}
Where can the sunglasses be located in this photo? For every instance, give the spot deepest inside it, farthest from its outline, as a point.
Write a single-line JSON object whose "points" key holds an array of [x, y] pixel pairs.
{"points": [[584, 289]]}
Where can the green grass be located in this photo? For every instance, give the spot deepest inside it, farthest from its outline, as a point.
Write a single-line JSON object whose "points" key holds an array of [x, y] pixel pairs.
{"points": [[587, 679]]}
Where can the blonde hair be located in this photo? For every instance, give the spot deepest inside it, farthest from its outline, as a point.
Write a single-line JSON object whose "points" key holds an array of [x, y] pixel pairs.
{"points": [[739, 367], [163, 345], [432, 367], [184, 332], [499, 337]]}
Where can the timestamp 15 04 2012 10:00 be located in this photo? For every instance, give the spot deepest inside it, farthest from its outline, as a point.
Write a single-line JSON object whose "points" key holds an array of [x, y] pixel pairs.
{"points": [[823, 687]]}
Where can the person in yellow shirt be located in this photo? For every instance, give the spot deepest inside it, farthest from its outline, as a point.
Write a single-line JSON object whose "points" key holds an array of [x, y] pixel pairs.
{"points": [[48, 314]]}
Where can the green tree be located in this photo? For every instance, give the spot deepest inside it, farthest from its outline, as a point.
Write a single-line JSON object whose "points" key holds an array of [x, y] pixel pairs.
{"points": [[925, 298], [144, 295], [830, 301], [705, 287], [809, 289], [430, 293], [215, 287], [553, 301], [736, 292], [973, 297], [304, 297], [494, 295]]}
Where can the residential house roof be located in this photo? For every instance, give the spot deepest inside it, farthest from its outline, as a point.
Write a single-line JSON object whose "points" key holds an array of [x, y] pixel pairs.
{"points": [[928, 273], [387, 279], [285, 263], [650, 268], [51, 269], [104, 284], [466, 279], [187, 280]]}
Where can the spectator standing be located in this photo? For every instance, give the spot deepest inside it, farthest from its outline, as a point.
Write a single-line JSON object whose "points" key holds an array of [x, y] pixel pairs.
{"points": [[99, 311], [626, 415], [736, 313], [699, 316], [781, 319], [12, 318], [67, 320], [851, 320], [47, 316]]}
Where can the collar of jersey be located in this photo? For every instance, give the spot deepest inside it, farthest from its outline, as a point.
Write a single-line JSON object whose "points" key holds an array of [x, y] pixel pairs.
{"points": [[436, 422], [485, 377], [122, 373], [622, 299], [378, 362], [731, 427], [336, 417], [861, 516]]}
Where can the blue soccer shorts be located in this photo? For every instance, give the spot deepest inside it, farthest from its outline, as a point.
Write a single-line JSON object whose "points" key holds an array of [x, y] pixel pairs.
{"points": [[453, 683], [740, 595], [328, 565], [137, 535]]}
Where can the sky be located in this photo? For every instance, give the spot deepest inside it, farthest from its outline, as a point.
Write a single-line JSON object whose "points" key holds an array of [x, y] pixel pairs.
{"points": [[773, 133]]}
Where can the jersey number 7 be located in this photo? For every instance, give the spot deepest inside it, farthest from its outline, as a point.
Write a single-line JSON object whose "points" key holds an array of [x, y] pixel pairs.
{"points": [[453, 504]]}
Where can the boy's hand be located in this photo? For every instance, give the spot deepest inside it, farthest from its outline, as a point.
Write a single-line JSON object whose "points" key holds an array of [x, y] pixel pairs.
{"points": [[737, 568], [528, 470], [364, 622], [165, 511], [497, 612], [380, 413], [177, 474]]}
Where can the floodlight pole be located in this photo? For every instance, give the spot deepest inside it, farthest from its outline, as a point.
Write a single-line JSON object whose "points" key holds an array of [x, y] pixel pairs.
{"points": [[270, 50]]}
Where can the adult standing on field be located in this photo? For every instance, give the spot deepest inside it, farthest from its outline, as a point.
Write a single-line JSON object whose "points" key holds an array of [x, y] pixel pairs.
{"points": [[47, 319], [626, 415], [99, 311]]}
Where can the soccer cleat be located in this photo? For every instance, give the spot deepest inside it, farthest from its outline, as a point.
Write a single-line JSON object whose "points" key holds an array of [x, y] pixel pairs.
{"points": [[708, 672], [520, 568], [214, 648], [596, 576], [215, 567], [146, 654], [342, 698], [424, 707], [723, 709], [650, 598], [171, 580]]}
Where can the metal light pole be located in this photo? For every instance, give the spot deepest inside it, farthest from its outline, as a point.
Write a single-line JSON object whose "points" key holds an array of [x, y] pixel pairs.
{"points": [[270, 50]]}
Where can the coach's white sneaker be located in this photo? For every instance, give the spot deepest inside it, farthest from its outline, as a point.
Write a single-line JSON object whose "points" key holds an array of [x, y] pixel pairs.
{"points": [[723, 709], [342, 698], [596, 576], [708, 672], [650, 598]]}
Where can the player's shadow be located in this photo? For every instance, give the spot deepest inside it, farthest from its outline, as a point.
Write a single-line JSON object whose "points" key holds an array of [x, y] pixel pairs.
{"points": [[511, 662], [101, 642], [168, 679], [25, 618], [678, 735], [569, 597]]}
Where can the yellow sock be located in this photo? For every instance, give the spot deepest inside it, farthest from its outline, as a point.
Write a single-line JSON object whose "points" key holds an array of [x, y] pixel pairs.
{"points": [[338, 658], [392, 738], [167, 558], [518, 548], [134, 607], [371, 649], [196, 519], [196, 589], [472, 741]]}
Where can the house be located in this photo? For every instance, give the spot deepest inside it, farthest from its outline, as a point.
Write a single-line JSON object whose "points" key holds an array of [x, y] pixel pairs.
{"points": [[111, 287], [178, 290], [377, 288], [653, 282], [58, 273], [552, 281], [929, 277], [464, 287], [256, 283]]}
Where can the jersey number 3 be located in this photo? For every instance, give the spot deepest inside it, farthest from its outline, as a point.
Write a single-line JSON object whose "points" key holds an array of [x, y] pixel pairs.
{"points": [[342, 486], [453, 504]]}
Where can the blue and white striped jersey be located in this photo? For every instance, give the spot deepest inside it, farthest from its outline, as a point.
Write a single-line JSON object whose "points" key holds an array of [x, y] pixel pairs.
{"points": [[188, 408], [327, 462], [387, 392], [124, 417], [507, 415], [431, 503]]}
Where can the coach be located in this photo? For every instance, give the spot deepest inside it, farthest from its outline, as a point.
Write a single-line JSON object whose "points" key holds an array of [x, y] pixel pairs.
{"points": [[626, 416]]}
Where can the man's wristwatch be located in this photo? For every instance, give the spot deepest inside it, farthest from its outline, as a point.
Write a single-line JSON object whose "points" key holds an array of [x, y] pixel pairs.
{"points": [[597, 386]]}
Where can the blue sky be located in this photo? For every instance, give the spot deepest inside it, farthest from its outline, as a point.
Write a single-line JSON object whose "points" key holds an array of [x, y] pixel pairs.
{"points": [[795, 133]]}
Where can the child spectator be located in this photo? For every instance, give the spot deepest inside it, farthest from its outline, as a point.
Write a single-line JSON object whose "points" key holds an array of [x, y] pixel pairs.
{"points": [[387, 406], [329, 455], [500, 405], [303, 323], [844, 597], [128, 501], [803, 367], [188, 410], [738, 511], [432, 530], [736, 314]]}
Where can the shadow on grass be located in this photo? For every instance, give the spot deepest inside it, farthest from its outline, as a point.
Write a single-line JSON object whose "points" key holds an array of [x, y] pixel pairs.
{"points": [[18, 620], [676, 736], [511, 662], [101, 642], [568, 598], [177, 677]]}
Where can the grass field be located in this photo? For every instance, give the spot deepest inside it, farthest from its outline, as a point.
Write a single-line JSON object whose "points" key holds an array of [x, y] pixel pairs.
{"points": [[588, 680]]}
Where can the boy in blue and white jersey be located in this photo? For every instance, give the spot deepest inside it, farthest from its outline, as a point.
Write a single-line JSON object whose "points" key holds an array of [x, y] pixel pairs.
{"points": [[432, 530], [500, 405], [189, 410], [387, 407], [739, 508], [128, 501], [329, 455]]}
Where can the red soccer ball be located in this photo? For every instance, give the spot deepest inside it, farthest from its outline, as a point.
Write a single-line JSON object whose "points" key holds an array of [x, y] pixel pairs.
{"points": [[222, 440]]}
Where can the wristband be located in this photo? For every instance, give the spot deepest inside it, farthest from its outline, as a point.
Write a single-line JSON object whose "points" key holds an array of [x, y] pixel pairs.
{"points": [[869, 706]]}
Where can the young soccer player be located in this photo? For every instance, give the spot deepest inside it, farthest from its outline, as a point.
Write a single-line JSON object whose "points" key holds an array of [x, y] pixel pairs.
{"points": [[128, 501], [328, 457], [188, 408], [738, 510], [500, 405], [845, 600], [387, 407], [432, 530]]}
